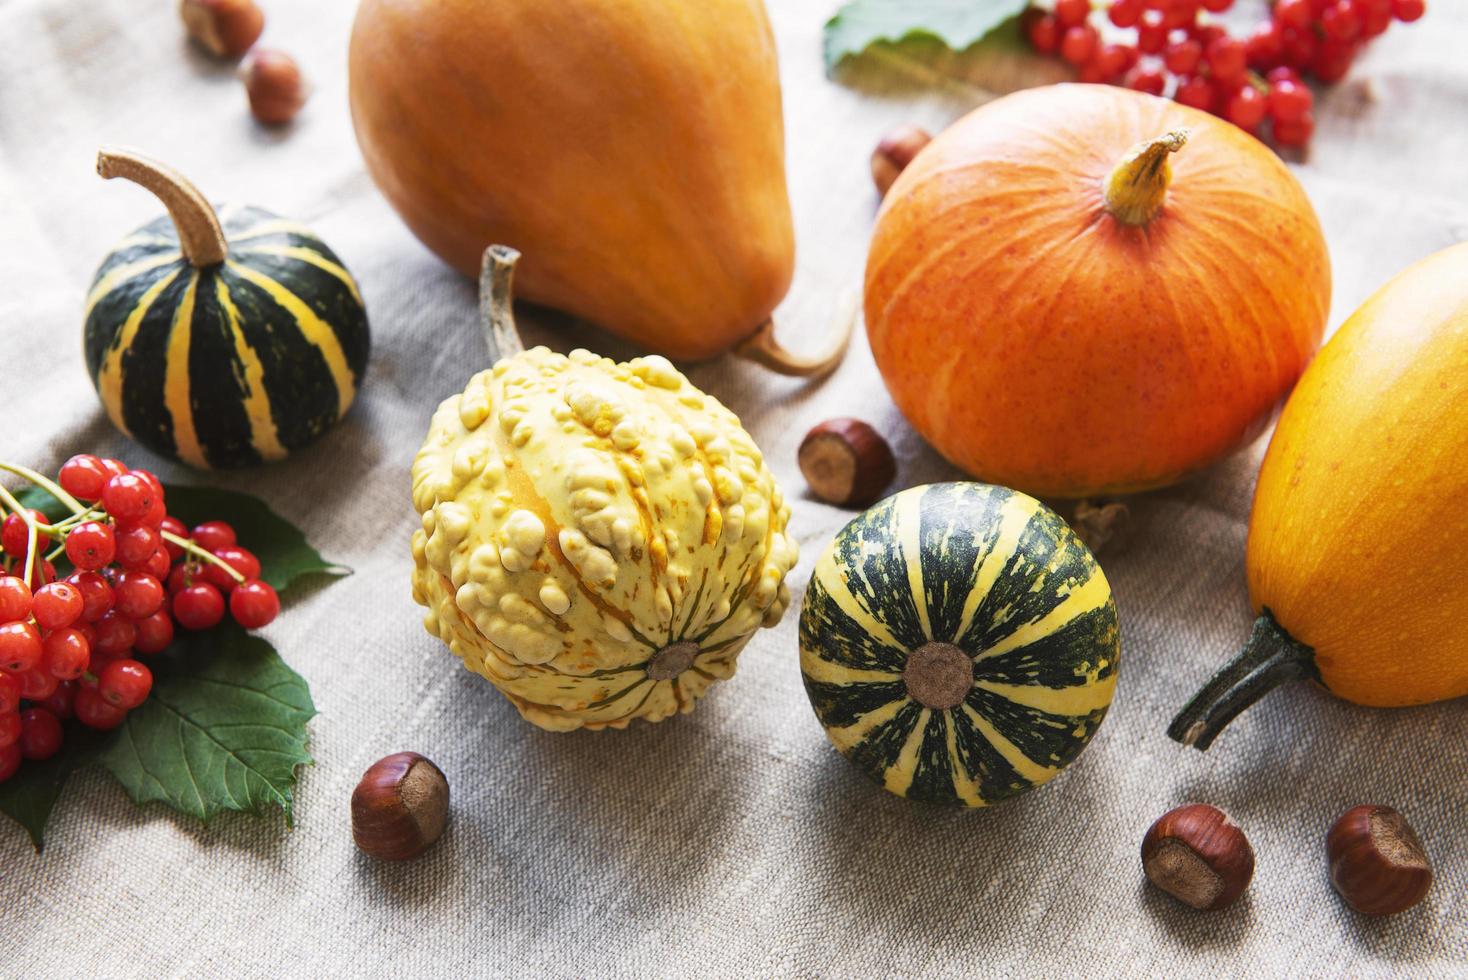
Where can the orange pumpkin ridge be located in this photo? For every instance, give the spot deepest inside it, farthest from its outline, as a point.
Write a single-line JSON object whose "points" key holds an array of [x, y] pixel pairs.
{"points": [[1038, 341]]}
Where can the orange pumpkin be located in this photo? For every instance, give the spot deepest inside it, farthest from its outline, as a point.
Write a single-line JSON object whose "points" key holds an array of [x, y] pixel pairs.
{"points": [[632, 150], [1356, 538], [1081, 289]]}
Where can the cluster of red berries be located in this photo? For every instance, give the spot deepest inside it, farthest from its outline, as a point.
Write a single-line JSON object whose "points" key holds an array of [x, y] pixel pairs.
{"points": [[69, 646], [1247, 81]]}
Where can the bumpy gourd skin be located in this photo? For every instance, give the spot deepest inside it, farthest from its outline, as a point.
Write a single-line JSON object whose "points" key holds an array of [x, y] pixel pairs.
{"points": [[581, 515]]}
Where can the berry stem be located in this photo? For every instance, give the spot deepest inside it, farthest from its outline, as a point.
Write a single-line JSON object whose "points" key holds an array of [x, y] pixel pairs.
{"points": [[50, 486], [200, 553], [32, 532]]}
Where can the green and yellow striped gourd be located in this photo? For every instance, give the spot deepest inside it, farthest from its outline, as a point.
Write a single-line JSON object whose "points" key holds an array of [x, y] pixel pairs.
{"points": [[959, 643], [221, 340]]}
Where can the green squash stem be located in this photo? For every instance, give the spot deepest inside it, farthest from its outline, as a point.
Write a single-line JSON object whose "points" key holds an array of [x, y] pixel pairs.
{"points": [[496, 302], [199, 234], [1271, 657]]}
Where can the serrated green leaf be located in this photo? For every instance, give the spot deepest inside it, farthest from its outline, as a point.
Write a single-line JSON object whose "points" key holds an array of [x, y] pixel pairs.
{"points": [[30, 795], [957, 23], [224, 729], [285, 554]]}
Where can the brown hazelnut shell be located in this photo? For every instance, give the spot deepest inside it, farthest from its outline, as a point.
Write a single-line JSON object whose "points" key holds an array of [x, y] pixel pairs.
{"points": [[1198, 855], [400, 807], [1377, 861]]}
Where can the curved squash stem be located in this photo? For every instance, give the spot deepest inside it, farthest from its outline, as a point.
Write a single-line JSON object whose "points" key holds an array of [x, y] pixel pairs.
{"points": [[1136, 188], [1270, 658], [762, 348], [496, 302], [199, 233]]}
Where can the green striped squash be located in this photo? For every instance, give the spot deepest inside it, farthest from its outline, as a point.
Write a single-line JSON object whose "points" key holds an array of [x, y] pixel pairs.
{"points": [[959, 643], [230, 364]]}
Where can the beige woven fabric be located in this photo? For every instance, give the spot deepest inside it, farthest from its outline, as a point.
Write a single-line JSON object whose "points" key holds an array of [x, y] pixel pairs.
{"points": [[735, 841]]}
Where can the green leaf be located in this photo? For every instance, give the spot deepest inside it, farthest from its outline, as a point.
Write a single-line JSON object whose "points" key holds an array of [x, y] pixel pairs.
{"points": [[957, 23], [284, 553], [224, 729]]}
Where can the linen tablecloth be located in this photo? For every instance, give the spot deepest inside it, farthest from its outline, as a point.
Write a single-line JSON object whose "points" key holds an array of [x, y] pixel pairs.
{"points": [[734, 841]]}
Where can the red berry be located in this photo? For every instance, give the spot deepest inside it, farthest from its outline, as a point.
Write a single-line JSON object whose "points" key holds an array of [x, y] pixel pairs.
{"points": [[1333, 60], [9, 762], [1125, 13], [114, 467], [1264, 47], [1043, 31], [1407, 11], [1183, 57], [15, 535], [136, 544], [1196, 91], [97, 595], [83, 476], [213, 535], [15, 598], [1282, 74], [1072, 12], [237, 558], [10, 728], [1147, 80], [95, 711], [20, 647], [183, 576], [1226, 58], [91, 545], [1294, 132], [9, 693], [1376, 17], [139, 595], [1341, 21], [1246, 108], [1300, 47], [1151, 34], [254, 604], [57, 605], [61, 700], [1294, 13], [115, 635], [175, 527], [155, 633], [1289, 100], [1176, 15], [1078, 44], [43, 573], [125, 683], [67, 653], [128, 497], [37, 684], [198, 606], [1217, 6], [40, 736], [158, 565]]}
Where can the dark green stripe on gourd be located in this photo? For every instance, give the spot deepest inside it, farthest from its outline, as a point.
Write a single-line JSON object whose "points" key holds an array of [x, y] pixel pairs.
{"points": [[1017, 660], [269, 357]]}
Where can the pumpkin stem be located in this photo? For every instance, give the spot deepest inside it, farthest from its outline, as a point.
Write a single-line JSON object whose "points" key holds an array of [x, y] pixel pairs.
{"points": [[496, 302], [199, 233], [1270, 658], [762, 348], [1135, 189]]}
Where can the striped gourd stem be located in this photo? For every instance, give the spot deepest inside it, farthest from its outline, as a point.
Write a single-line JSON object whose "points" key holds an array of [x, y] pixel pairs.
{"points": [[1271, 657], [199, 231]]}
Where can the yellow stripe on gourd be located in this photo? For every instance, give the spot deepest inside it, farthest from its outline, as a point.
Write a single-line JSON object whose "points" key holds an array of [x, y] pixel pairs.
{"points": [[176, 382], [316, 331], [274, 226], [966, 788], [909, 520], [263, 434], [840, 594], [827, 672], [1090, 595], [109, 377], [123, 273], [1028, 770], [1082, 699], [847, 737], [898, 777], [309, 256], [1014, 517]]}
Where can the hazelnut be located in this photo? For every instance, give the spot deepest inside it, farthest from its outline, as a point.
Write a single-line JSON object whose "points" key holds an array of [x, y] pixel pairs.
{"points": [[846, 462], [1377, 861], [895, 152], [400, 807], [274, 84], [1199, 856], [225, 28]]}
